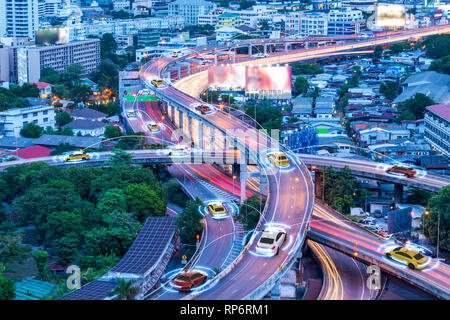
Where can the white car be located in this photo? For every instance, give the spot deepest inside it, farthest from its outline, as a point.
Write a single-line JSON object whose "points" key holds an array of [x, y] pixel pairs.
{"points": [[270, 241], [179, 150], [261, 55]]}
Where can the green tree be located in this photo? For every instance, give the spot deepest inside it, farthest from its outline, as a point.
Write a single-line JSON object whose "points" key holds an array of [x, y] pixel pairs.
{"points": [[31, 130], [143, 201], [389, 89], [26, 90], [108, 45], [419, 197], [377, 51], [301, 84], [441, 65], [66, 249], [11, 250], [80, 92], [112, 132], [439, 207], [7, 289], [61, 223], [416, 105], [50, 75], [41, 258], [113, 200], [63, 118], [126, 290], [249, 213], [119, 158], [189, 222]]}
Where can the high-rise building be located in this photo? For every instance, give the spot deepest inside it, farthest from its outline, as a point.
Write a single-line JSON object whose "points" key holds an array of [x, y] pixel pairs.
{"points": [[18, 18], [31, 60], [190, 9]]}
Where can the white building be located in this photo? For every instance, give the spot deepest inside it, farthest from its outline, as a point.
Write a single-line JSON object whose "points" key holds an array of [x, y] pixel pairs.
{"points": [[124, 27], [121, 5], [190, 9], [13, 120], [437, 128], [307, 23], [87, 127], [226, 33], [18, 18], [31, 60], [48, 8]]}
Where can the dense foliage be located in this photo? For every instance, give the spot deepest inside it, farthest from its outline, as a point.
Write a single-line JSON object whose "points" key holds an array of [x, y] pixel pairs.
{"points": [[99, 210]]}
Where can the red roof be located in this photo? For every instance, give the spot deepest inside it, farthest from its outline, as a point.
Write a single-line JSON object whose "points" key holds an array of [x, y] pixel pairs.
{"points": [[42, 85], [442, 110], [36, 151]]}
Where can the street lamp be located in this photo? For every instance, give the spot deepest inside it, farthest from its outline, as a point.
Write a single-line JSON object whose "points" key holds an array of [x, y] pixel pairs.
{"points": [[438, 231]]}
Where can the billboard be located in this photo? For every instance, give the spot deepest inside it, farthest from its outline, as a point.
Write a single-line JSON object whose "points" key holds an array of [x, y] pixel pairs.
{"points": [[272, 79], [51, 36], [390, 15], [230, 77]]}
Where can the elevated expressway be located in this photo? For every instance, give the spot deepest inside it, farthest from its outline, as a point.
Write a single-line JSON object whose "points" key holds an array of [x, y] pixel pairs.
{"points": [[289, 202], [437, 276]]}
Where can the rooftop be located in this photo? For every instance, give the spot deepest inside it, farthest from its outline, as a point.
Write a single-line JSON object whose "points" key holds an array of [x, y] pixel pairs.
{"points": [[32, 152], [88, 113], [55, 140], [442, 110], [85, 124]]}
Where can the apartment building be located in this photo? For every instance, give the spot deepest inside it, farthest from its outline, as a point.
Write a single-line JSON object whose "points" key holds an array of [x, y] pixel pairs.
{"points": [[11, 121], [345, 21], [437, 127], [18, 18], [31, 60], [190, 9], [307, 23], [228, 19]]}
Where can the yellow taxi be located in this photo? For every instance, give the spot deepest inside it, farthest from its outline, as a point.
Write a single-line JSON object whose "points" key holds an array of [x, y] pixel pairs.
{"points": [[152, 126], [77, 155], [158, 82], [217, 210], [278, 159], [412, 258]]}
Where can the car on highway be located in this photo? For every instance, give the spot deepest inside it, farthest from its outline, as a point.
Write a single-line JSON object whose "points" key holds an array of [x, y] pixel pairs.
{"points": [[278, 159], [152, 126], [270, 241], [203, 108], [407, 171], [178, 150], [217, 210], [158, 82], [131, 114], [260, 55], [189, 279], [77, 155], [412, 258]]}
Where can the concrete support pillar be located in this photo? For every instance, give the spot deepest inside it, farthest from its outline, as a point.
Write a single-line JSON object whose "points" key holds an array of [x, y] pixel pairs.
{"points": [[265, 49], [263, 182], [250, 50], [235, 171], [179, 71], [318, 180], [190, 128], [398, 193], [200, 136], [215, 58], [243, 180], [286, 46], [275, 293]]}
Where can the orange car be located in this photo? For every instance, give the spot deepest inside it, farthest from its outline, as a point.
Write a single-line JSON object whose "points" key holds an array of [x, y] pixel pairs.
{"points": [[189, 279], [409, 172]]}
